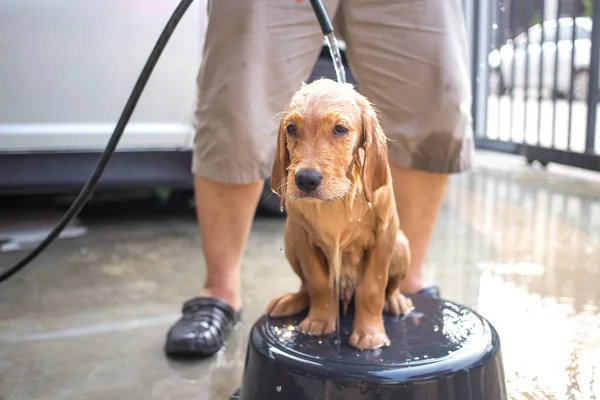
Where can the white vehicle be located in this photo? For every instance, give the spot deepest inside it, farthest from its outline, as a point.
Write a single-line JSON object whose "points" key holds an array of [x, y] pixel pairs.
{"points": [[67, 70], [527, 55]]}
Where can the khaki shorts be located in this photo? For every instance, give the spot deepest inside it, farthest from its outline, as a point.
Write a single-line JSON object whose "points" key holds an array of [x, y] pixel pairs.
{"points": [[409, 58]]}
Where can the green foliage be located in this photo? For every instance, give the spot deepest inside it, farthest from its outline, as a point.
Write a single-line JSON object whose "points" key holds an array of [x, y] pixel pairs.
{"points": [[586, 7]]}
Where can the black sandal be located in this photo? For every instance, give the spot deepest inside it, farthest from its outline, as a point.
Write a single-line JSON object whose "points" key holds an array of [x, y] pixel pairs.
{"points": [[203, 329]]}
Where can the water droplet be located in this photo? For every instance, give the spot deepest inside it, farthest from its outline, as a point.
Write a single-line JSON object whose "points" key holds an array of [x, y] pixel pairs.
{"points": [[281, 249], [425, 356], [83, 251], [436, 328], [417, 358], [351, 219], [495, 26], [334, 51], [502, 8], [281, 209], [320, 342], [278, 388], [360, 219]]}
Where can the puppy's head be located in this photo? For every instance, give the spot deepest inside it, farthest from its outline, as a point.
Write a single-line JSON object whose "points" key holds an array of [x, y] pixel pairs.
{"points": [[329, 141]]}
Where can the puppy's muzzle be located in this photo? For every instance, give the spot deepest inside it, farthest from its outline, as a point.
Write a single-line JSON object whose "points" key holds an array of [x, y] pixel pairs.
{"points": [[308, 180]]}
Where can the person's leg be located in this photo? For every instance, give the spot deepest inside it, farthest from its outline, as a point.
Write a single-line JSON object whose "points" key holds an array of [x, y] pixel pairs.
{"points": [[410, 59], [225, 213], [256, 55], [418, 198]]}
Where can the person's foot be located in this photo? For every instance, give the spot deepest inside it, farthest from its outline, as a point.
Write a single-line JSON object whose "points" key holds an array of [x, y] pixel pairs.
{"points": [[415, 284], [203, 329]]}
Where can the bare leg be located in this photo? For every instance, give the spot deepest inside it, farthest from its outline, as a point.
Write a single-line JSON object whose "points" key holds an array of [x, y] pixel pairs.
{"points": [[418, 198], [225, 214]]}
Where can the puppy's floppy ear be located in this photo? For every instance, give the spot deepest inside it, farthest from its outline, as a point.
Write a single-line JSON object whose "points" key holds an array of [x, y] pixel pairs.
{"points": [[281, 162], [375, 173]]}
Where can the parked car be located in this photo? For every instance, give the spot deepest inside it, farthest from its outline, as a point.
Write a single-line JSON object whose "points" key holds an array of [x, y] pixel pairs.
{"points": [[525, 52], [67, 70]]}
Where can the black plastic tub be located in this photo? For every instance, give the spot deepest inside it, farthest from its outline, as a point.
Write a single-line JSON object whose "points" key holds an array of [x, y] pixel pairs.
{"points": [[442, 351]]}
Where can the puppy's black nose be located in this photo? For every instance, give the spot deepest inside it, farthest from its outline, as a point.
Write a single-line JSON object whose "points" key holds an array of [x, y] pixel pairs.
{"points": [[308, 180]]}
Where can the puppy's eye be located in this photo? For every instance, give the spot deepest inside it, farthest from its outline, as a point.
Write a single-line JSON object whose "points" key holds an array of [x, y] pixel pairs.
{"points": [[340, 130], [291, 129]]}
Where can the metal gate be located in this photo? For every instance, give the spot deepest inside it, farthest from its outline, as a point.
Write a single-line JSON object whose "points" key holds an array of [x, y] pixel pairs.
{"points": [[535, 67]]}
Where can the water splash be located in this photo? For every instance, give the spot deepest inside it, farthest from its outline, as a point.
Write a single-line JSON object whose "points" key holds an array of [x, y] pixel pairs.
{"points": [[336, 56], [338, 325], [336, 302]]}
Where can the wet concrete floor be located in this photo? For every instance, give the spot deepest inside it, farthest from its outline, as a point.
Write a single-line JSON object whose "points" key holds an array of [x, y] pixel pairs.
{"points": [[87, 320]]}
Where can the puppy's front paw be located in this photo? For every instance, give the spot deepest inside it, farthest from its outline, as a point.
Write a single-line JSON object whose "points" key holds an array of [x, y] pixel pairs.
{"points": [[318, 325], [369, 336], [288, 304], [396, 303]]}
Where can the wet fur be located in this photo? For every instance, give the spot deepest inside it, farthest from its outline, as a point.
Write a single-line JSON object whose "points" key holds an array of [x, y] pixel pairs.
{"points": [[346, 233]]}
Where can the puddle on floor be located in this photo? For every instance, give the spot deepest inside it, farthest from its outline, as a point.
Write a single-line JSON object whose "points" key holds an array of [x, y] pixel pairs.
{"points": [[23, 229], [535, 250]]}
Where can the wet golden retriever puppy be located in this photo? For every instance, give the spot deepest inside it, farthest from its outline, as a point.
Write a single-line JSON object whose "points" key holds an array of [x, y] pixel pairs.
{"points": [[342, 235]]}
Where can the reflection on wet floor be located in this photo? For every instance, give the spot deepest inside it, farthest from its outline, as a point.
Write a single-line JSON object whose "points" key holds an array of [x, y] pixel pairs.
{"points": [[519, 245], [530, 247]]}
